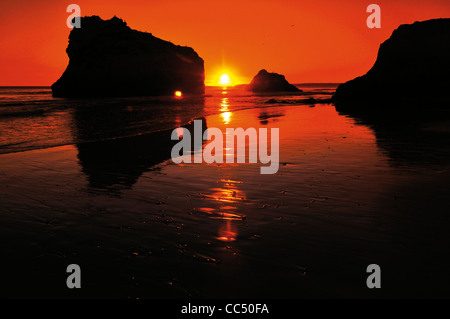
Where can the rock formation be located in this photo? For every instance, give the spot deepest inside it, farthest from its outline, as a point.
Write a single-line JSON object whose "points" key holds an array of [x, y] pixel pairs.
{"points": [[108, 58], [265, 82], [412, 70]]}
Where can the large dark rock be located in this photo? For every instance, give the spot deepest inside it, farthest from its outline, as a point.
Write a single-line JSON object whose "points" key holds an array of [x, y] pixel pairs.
{"points": [[265, 82], [411, 71], [108, 58]]}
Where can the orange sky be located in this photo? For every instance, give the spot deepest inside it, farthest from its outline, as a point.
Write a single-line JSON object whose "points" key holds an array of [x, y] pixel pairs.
{"points": [[306, 40]]}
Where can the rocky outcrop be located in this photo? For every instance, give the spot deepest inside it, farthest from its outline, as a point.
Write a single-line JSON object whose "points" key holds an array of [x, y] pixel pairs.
{"points": [[265, 82], [412, 70], [108, 58]]}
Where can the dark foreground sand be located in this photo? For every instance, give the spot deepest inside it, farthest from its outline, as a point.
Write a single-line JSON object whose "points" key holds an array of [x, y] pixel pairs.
{"points": [[341, 200]]}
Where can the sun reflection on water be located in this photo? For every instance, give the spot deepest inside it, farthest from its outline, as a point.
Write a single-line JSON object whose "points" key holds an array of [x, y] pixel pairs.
{"points": [[224, 108]]}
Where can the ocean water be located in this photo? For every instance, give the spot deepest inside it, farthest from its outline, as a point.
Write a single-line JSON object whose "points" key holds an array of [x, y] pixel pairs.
{"points": [[30, 118], [91, 182]]}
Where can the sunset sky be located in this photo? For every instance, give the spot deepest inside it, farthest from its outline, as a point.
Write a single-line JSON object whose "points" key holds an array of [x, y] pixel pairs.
{"points": [[306, 40]]}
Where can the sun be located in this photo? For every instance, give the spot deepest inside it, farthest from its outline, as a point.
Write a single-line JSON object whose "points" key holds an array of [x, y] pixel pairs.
{"points": [[224, 80]]}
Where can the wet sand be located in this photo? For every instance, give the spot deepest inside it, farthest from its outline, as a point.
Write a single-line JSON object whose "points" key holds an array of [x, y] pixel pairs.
{"points": [[338, 203]]}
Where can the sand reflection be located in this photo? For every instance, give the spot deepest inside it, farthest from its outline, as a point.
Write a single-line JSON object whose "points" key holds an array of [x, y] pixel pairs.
{"points": [[227, 200], [227, 231]]}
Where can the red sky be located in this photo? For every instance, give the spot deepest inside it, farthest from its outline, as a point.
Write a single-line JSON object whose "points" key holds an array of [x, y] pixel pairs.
{"points": [[306, 40]]}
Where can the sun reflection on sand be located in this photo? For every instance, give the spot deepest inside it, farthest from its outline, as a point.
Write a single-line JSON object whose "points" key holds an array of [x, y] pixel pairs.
{"points": [[228, 197], [227, 232]]}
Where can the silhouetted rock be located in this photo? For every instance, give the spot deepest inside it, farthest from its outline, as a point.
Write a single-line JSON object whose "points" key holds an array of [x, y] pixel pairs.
{"points": [[265, 82], [412, 70], [108, 58]]}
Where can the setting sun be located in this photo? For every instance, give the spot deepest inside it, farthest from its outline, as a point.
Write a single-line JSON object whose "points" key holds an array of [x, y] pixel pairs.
{"points": [[224, 79]]}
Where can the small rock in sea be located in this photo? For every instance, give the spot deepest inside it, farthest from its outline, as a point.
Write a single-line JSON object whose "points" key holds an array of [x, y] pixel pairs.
{"points": [[264, 82]]}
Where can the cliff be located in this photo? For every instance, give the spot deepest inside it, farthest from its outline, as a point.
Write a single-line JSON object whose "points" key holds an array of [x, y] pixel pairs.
{"points": [[265, 82], [108, 58], [411, 71]]}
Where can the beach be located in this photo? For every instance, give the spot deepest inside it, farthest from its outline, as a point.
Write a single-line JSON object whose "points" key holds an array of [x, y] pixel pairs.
{"points": [[346, 195]]}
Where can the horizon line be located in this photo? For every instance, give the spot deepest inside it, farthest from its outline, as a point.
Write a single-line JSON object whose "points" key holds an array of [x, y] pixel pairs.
{"points": [[49, 86]]}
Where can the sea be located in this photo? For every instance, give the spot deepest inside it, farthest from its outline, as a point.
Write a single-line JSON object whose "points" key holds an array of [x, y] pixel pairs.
{"points": [[30, 118]]}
